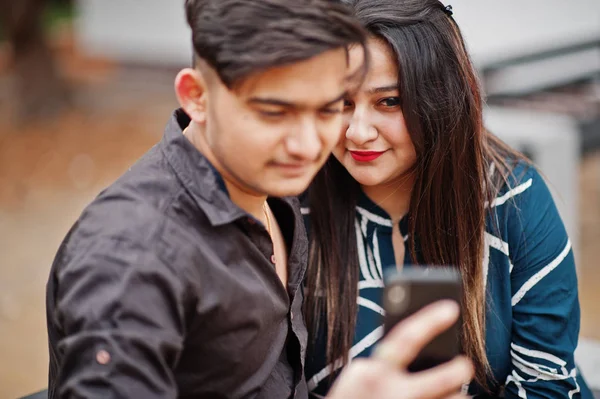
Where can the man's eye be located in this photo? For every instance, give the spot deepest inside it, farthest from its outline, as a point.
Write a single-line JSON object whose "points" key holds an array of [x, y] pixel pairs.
{"points": [[271, 114], [331, 111], [348, 103]]}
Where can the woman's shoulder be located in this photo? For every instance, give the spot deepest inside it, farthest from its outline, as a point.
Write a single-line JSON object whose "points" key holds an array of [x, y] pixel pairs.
{"points": [[524, 211], [523, 185]]}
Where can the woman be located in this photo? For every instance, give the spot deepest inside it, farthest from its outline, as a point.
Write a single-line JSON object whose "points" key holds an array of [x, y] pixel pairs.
{"points": [[417, 180]]}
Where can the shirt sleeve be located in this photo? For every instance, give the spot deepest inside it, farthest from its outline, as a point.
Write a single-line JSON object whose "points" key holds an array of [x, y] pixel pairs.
{"points": [[545, 303], [120, 310]]}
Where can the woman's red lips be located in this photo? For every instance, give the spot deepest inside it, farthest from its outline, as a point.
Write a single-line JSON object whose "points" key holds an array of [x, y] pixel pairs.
{"points": [[365, 156]]}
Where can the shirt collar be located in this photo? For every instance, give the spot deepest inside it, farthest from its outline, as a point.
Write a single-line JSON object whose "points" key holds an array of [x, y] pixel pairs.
{"points": [[366, 203], [199, 177]]}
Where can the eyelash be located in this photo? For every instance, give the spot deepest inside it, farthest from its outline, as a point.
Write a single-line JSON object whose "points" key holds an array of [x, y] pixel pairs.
{"points": [[330, 111], [396, 99], [272, 114], [348, 103]]}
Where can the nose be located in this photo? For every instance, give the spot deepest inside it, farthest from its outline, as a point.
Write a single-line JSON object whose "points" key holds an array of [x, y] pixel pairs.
{"points": [[305, 144], [360, 129]]}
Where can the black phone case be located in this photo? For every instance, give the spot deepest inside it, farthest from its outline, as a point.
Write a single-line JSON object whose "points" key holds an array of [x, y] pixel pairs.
{"points": [[407, 292]]}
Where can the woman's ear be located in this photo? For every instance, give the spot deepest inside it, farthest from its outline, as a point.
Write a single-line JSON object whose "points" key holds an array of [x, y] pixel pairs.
{"points": [[192, 92]]}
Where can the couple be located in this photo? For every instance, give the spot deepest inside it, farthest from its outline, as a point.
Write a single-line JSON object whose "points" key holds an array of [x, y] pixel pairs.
{"points": [[193, 275]]}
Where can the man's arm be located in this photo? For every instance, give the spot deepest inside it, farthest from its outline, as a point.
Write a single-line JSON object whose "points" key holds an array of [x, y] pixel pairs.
{"points": [[385, 375], [121, 313]]}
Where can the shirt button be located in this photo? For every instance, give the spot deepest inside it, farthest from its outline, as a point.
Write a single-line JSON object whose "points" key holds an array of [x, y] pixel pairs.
{"points": [[292, 315], [273, 259], [103, 357]]}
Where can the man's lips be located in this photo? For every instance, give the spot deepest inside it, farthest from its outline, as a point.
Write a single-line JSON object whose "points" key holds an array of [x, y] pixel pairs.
{"points": [[292, 165], [365, 156], [291, 168]]}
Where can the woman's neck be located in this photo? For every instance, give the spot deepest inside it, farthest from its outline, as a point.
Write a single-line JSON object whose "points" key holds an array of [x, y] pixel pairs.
{"points": [[393, 197]]}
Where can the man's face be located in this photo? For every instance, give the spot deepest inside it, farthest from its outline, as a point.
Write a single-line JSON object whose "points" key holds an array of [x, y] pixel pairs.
{"points": [[273, 133]]}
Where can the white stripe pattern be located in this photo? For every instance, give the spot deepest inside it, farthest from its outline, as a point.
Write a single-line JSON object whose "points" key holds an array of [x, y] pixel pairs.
{"points": [[510, 194], [536, 371], [366, 342], [516, 379], [529, 284], [491, 241], [486, 263], [321, 375], [362, 256], [577, 388], [376, 253], [496, 243], [372, 264], [356, 350], [538, 367], [370, 305], [370, 284], [539, 372], [539, 354], [363, 226], [373, 217]]}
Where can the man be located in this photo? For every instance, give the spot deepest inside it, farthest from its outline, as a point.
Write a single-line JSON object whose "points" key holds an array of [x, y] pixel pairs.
{"points": [[183, 278]]}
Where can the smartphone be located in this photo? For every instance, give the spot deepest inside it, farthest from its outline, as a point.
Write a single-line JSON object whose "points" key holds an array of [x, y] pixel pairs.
{"points": [[407, 291]]}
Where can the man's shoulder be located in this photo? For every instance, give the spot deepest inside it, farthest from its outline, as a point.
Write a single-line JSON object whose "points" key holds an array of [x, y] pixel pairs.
{"points": [[138, 201], [136, 210], [150, 180]]}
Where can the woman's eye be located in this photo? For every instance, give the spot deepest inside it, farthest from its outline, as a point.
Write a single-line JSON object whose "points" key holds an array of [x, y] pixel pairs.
{"points": [[390, 102], [348, 103]]}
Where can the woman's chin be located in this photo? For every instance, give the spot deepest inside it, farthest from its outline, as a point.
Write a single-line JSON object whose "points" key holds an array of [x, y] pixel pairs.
{"points": [[366, 179]]}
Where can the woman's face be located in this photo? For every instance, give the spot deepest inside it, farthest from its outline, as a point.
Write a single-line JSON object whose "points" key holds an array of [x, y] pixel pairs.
{"points": [[375, 146]]}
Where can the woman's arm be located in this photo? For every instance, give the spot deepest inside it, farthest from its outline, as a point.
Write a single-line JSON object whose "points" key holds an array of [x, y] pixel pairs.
{"points": [[545, 303]]}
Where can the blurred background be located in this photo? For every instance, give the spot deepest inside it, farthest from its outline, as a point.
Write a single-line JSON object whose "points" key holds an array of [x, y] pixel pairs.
{"points": [[86, 89]]}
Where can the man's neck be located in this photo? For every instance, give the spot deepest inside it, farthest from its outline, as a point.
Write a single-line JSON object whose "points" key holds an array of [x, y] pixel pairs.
{"points": [[249, 201], [393, 197], [252, 203]]}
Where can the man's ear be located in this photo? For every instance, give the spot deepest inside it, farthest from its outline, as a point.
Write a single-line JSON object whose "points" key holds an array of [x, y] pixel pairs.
{"points": [[192, 92]]}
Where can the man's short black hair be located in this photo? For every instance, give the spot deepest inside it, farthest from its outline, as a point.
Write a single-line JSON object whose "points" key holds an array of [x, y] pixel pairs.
{"points": [[240, 37]]}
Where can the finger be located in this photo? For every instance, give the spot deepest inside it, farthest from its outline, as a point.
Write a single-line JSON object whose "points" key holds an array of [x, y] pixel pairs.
{"points": [[443, 381], [404, 342]]}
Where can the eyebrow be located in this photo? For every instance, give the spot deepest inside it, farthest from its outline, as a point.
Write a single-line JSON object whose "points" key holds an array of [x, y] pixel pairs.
{"points": [[287, 104], [383, 89]]}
